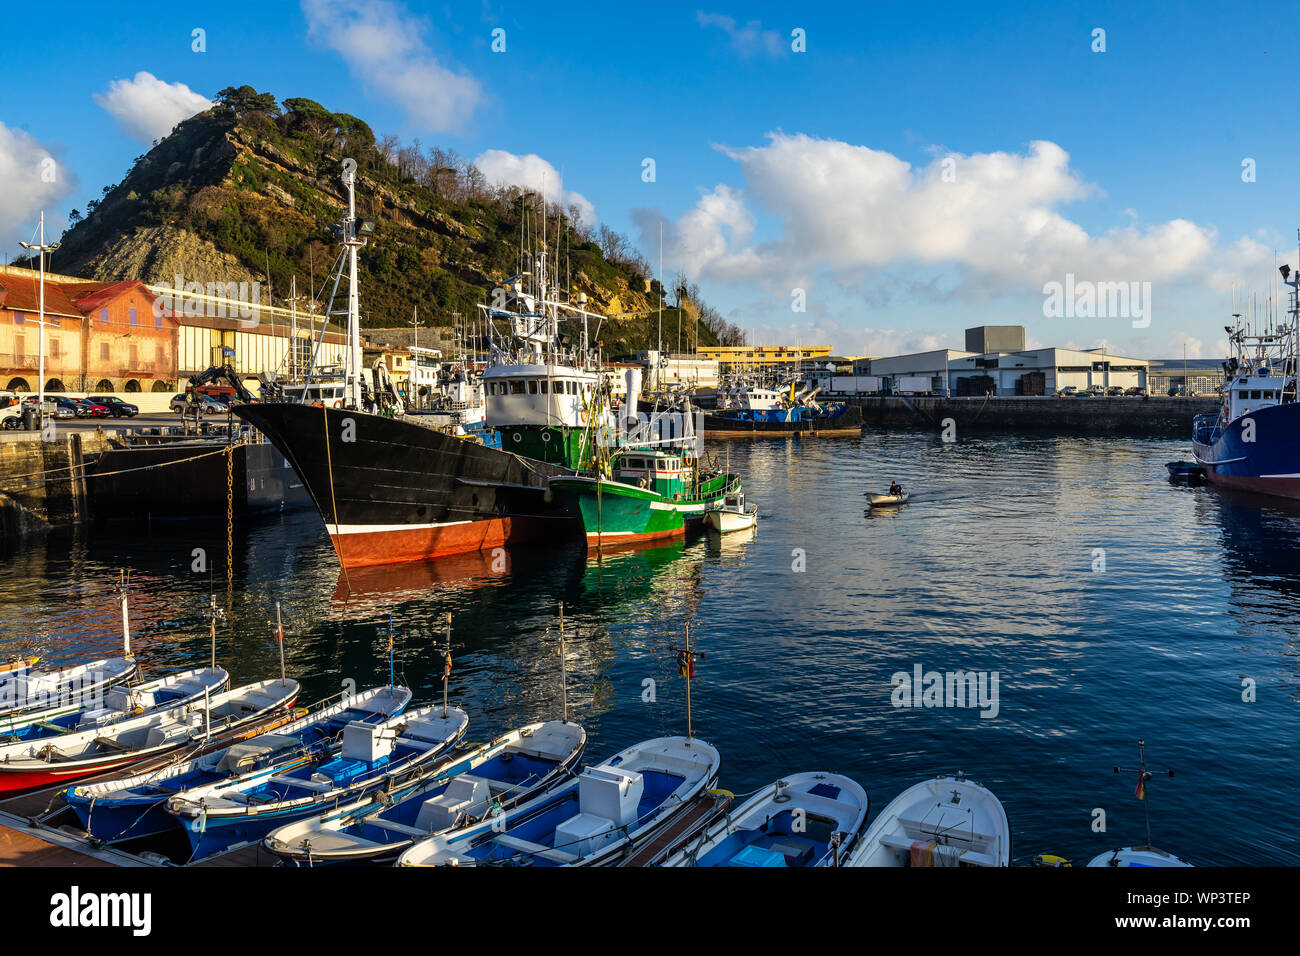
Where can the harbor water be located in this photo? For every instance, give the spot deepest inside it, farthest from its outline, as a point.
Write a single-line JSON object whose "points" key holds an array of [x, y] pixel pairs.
{"points": [[1111, 604]]}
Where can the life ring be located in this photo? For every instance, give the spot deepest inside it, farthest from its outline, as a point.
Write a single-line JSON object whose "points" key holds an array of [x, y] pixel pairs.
{"points": [[582, 415], [338, 403]]}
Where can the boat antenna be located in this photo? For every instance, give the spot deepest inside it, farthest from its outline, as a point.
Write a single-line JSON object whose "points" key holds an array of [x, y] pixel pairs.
{"points": [[122, 581], [1144, 774], [686, 667], [446, 666]]}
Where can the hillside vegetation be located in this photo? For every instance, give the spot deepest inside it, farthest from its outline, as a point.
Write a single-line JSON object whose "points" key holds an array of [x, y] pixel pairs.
{"points": [[249, 191]]}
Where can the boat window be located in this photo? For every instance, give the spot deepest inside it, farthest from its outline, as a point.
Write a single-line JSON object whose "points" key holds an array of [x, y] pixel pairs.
{"points": [[532, 387], [544, 387], [516, 386]]}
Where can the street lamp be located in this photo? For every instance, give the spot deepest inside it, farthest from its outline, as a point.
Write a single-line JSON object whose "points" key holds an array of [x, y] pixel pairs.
{"points": [[44, 249]]}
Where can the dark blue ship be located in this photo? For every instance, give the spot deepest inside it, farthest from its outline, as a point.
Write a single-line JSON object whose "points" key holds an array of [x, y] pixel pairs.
{"points": [[1253, 442]]}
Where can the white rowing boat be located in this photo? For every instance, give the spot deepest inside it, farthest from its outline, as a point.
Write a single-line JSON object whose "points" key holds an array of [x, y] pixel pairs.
{"points": [[808, 819], [947, 821], [731, 514], [1137, 856], [875, 500]]}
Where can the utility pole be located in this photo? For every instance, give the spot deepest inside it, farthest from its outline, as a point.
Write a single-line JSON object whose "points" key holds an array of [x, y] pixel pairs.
{"points": [[43, 249]]}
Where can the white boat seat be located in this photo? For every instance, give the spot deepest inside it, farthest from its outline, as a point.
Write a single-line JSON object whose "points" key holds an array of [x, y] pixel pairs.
{"points": [[952, 822], [427, 731], [973, 857], [536, 849], [544, 746], [464, 795]]}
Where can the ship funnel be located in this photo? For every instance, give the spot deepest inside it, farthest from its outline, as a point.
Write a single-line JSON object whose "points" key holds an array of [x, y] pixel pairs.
{"points": [[633, 396]]}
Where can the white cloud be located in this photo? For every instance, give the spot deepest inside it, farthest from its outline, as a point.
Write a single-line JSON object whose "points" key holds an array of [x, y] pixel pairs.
{"points": [[746, 40], [382, 45], [532, 172], [852, 211], [147, 109], [34, 179]]}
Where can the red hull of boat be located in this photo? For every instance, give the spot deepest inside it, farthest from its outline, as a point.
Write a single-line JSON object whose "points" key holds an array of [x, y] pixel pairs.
{"points": [[361, 549]]}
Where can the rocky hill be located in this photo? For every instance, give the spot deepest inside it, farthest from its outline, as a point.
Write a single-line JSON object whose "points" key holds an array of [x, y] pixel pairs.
{"points": [[249, 190]]}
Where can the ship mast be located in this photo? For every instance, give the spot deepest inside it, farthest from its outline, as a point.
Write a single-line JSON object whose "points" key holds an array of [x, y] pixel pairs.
{"points": [[352, 243]]}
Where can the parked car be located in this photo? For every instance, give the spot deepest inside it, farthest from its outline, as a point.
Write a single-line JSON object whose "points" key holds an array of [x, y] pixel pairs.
{"points": [[1070, 390], [1135, 390], [116, 407], [1177, 391], [94, 409], [62, 409], [1096, 390], [1115, 390], [207, 405]]}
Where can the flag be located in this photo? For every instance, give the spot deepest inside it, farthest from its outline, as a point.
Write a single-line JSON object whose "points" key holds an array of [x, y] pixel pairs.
{"points": [[446, 670], [685, 664], [1141, 791]]}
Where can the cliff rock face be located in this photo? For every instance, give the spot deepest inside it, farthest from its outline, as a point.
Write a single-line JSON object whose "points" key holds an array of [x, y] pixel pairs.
{"points": [[248, 191], [157, 254]]}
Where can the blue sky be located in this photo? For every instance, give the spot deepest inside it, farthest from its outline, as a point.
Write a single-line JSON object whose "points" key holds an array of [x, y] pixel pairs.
{"points": [[1143, 181]]}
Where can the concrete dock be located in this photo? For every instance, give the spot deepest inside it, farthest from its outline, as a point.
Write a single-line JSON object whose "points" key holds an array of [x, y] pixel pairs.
{"points": [[1131, 417]]}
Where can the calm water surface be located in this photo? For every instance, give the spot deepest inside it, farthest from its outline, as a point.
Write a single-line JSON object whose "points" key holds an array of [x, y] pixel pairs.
{"points": [[1112, 604]]}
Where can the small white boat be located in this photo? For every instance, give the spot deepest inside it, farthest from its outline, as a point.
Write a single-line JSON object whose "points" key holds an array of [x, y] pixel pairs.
{"points": [[594, 820], [118, 702], [489, 779], [31, 689], [947, 821], [1137, 856], [731, 514], [875, 500], [808, 819], [28, 764]]}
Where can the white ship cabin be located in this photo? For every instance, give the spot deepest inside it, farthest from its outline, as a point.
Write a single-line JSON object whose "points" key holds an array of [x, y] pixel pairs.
{"points": [[425, 366], [538, 395], [330, 394], [665, 472], [1259, 389], [757, 399]]}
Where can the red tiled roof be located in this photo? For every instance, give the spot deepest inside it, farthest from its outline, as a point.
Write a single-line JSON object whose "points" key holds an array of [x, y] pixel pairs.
{"points": [[22, 294]]}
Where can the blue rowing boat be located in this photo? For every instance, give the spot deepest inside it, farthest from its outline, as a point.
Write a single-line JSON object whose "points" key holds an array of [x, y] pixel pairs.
{"points": [[132, 807]]}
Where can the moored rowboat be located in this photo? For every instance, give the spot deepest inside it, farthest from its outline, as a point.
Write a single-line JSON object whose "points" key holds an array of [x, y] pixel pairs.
{"points": [[27, 765], [947, 821], [491, 778], [596, 820], [805, 820]]}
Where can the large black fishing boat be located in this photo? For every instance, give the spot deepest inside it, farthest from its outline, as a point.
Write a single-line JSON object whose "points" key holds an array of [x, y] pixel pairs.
{"points": [[393, 488]]}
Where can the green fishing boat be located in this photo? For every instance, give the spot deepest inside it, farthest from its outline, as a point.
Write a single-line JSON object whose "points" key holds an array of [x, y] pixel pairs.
{"points": [[643, 493]]}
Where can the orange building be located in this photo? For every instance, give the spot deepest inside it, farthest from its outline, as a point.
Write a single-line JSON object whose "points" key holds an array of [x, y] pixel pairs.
{"points": [[99, 336]]}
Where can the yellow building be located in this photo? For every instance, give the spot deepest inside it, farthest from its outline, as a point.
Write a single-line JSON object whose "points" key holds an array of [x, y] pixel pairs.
{"points": [[745, 355]]}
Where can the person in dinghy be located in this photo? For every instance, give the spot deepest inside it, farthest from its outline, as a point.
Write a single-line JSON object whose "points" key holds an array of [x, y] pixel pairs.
{"points": [[895, 488]]}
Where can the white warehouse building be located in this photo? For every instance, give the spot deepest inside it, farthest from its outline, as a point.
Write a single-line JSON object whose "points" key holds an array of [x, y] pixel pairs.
{"points": [[1042, 371]]}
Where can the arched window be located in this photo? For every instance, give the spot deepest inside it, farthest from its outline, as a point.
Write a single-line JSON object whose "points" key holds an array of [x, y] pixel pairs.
{"points": [[133, 386], [19, 385], [54, 385], [105, 386], [161, 386]]}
